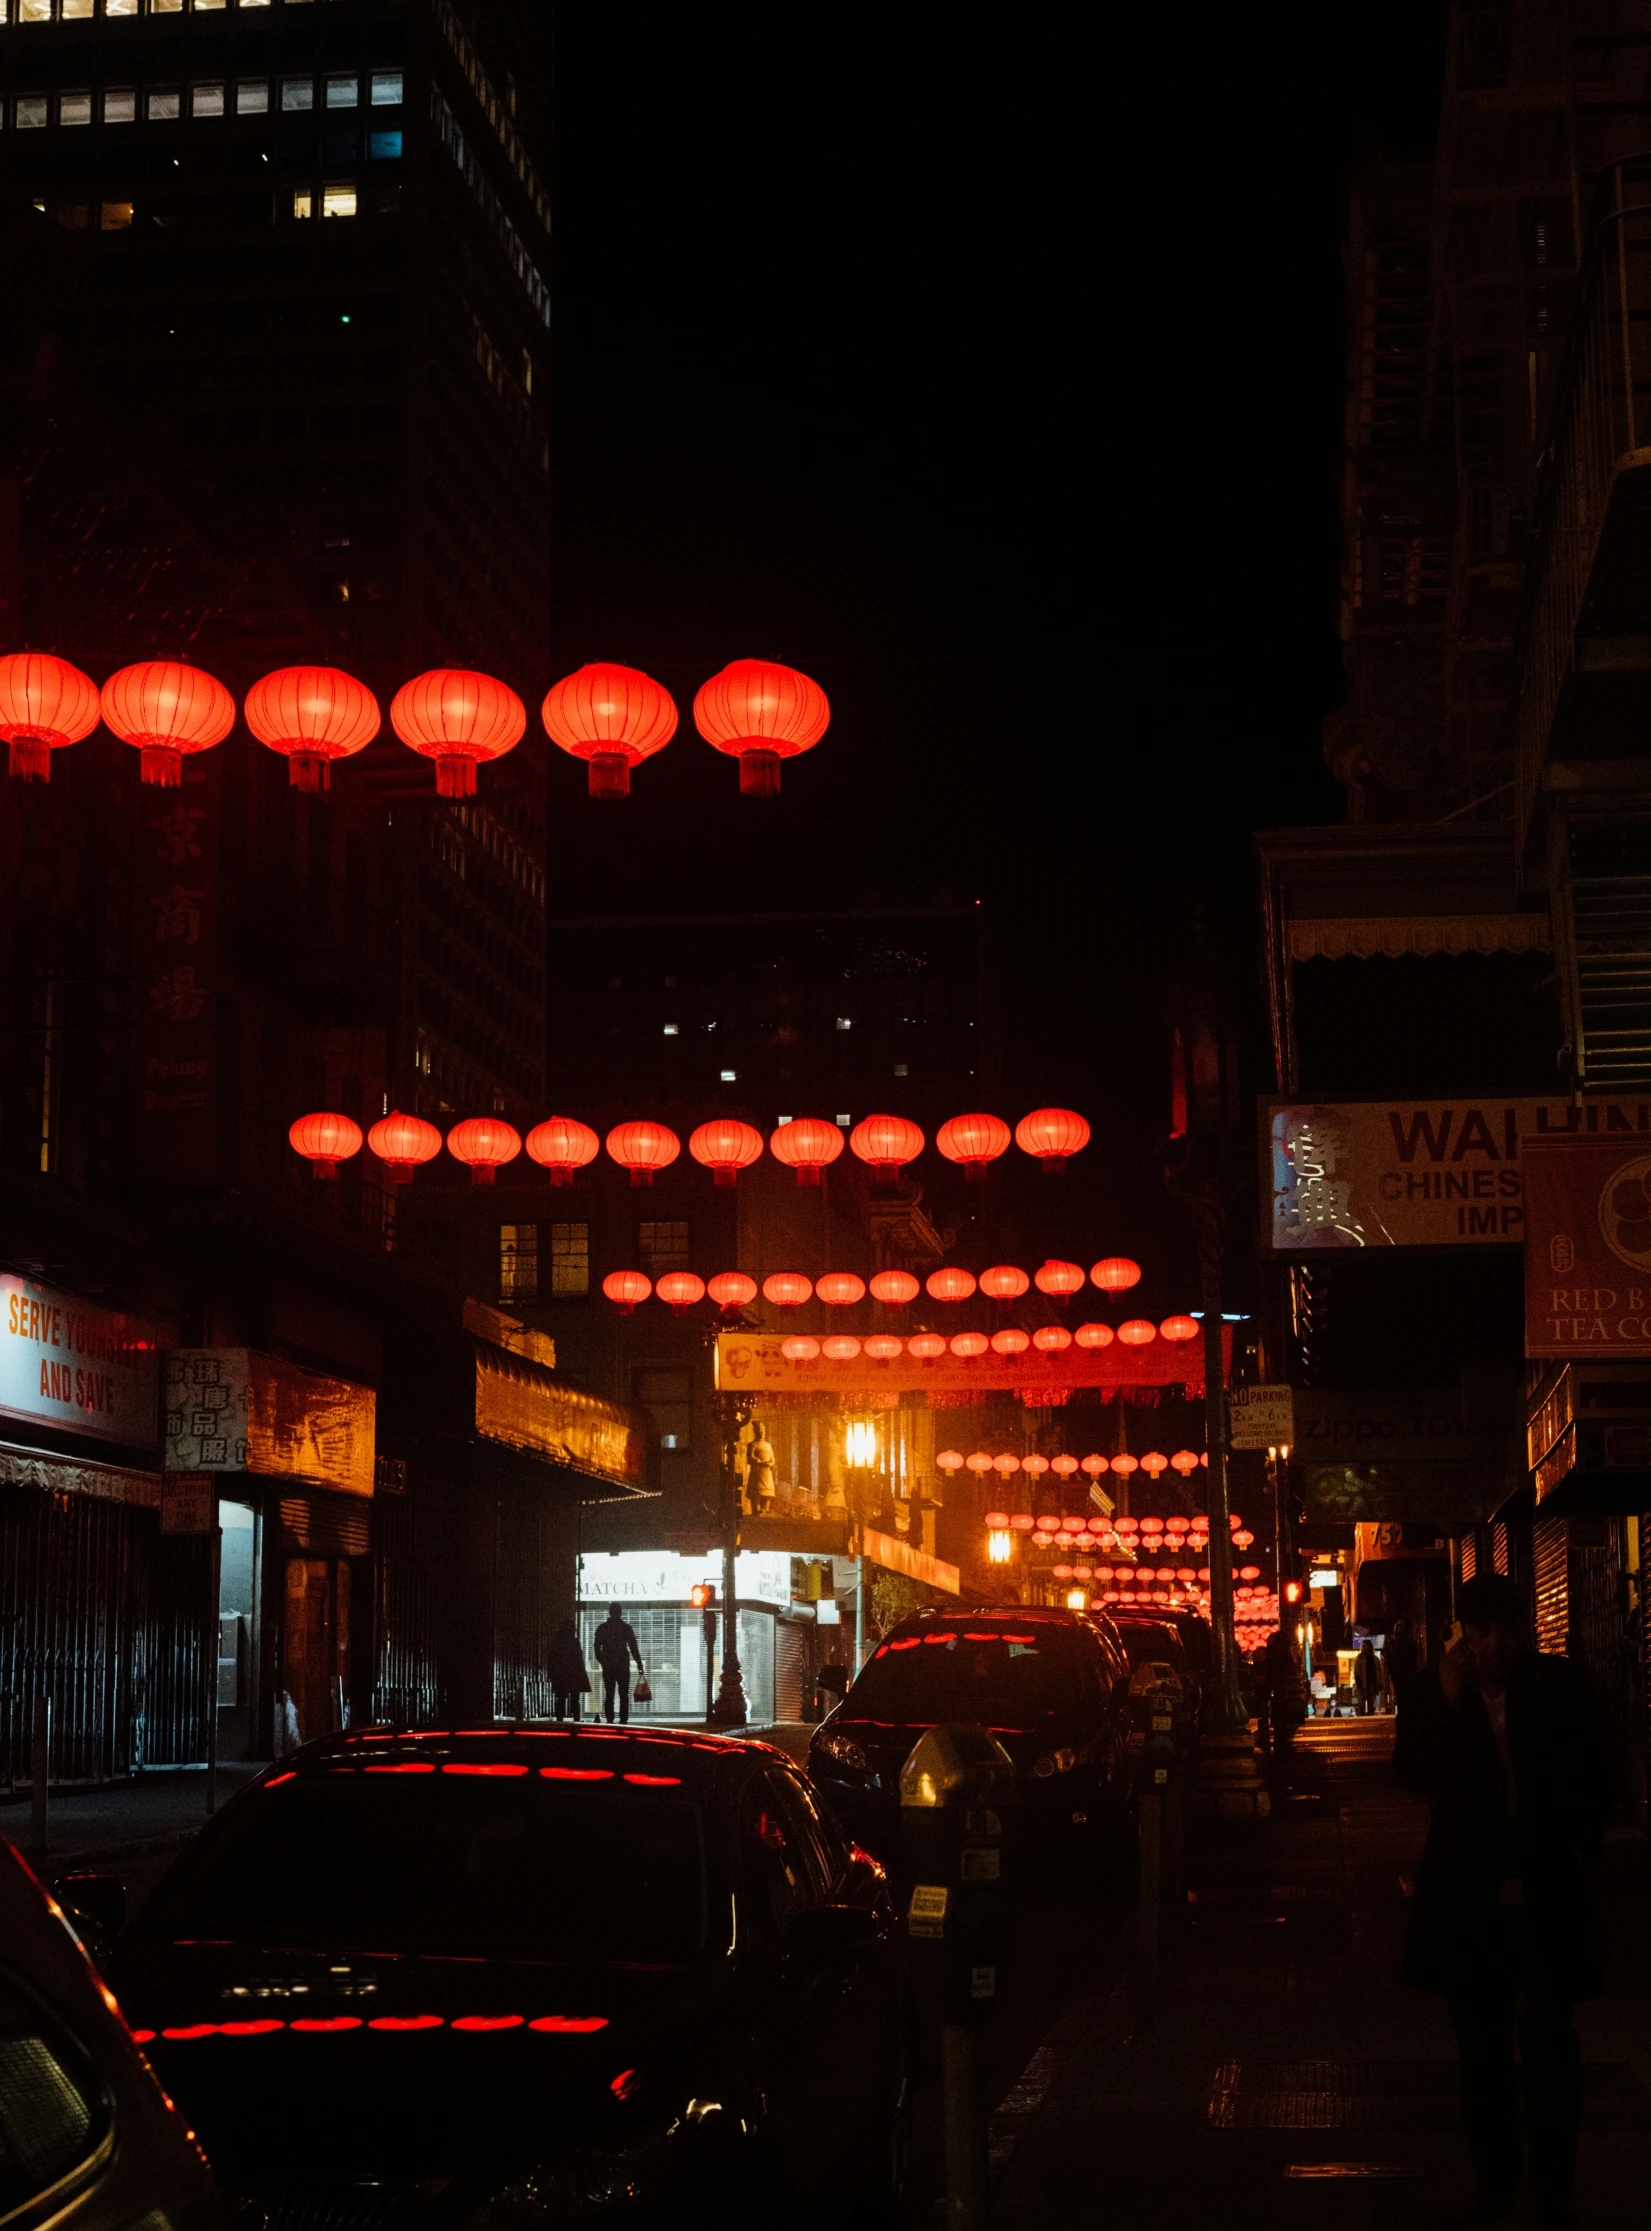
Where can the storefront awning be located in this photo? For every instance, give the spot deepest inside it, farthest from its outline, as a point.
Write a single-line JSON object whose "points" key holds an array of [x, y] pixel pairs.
{"points": [[525, 1406], [1394, 936]]}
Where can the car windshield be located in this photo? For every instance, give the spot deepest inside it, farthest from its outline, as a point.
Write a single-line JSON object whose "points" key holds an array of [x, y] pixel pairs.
{"points": [[1147, 1645], [475, 1864], [1004, 1673]]}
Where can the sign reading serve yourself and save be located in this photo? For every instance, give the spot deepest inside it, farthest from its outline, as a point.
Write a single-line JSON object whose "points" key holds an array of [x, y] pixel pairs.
{"points": [[67, 1363]]}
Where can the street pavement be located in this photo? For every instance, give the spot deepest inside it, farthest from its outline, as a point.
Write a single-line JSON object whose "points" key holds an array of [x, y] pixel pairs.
{"points": [[1290, 2079]]}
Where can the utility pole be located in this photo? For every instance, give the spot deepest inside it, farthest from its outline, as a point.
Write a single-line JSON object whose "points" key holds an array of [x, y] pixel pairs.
{"points": [[730, 1709]]}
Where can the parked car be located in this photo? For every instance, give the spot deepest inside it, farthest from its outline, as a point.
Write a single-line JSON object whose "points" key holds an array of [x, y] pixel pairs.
{"points": [[523, 1975], [1160, 1671], [88, 2141], [1197, 1640], [1050, 1685]]}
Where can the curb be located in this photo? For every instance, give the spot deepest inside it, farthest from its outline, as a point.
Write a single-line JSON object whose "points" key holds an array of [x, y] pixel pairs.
{"points": [[105, 1855]]}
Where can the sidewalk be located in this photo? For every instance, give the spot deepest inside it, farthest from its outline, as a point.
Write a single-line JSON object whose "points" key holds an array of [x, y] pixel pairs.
{"points": [[1289, 2068], [130, 1820]]}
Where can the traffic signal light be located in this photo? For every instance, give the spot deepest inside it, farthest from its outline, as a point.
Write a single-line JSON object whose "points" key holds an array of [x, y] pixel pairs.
{"points": [[1292, 1591], [702, 1595]]}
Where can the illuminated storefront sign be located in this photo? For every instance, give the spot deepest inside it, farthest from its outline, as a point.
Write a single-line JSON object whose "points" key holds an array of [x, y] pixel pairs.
{"points": [[68, 1363]]}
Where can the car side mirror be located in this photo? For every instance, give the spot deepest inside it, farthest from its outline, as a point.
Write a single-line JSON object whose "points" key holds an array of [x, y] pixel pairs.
{"points": [[834, 1678], [827, 1936], [96, 1907]]}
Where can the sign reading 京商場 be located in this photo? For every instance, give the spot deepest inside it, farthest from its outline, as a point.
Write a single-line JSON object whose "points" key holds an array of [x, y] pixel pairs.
{"points": [[1417, 1173], [71, 1364]]}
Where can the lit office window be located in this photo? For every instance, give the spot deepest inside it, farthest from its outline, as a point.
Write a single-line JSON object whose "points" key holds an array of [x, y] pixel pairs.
{"points": [[120, 104], [386, 88], [518, 1262], [115, 216], [166, 7], [662, 1245], [338, 201], [303, 202], [207, 100], [76, 11], [297, 92], [570, 1258], [668, 1397], [31, 112], [74, 108], [252, 97], [162, 103], [34, 11], [384, 146], [120, 7], [342, 92], [201, 5]]}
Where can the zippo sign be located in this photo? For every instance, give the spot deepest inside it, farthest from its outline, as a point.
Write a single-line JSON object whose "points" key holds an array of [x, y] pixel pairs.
{"points": [[1587, 1247]]}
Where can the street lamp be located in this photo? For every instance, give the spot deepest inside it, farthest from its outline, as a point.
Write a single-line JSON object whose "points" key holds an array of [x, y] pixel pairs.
{"points": [[860, 1445], [1000, 1546]]}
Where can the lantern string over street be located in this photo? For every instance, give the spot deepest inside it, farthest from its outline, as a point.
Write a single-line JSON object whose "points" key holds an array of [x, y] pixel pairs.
{"points": [[45, 705], [325, 1140], [461, 720], [761, 713], [612, 717], [166, 710], [314, 715], [403, 1143]]}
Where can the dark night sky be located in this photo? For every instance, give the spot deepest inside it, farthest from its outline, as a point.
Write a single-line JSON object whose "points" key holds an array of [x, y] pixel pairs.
{"points": [[986, 365]]}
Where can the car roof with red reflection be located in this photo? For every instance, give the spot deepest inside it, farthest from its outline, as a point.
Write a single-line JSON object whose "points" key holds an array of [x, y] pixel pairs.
{"points": [[646, 1757]]}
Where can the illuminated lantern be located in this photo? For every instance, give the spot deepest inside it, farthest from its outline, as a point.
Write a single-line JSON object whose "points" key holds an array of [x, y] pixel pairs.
{"points": [[1063, 1572], [895, 1287], [401, 1143], [1114, 1274], [949, 1285], [1004, 1465], [725, 1146], [1094, 1466], [974, 1140], [761, 713], [1003, 1282], [1154, 1465], [1011, 1341], [1179, 1328], [925, 1346], [807, 1145], [887, 1143], [1124, 1465], [842, 1347], [883, 1347], [731, 1290], [612, 717], [1023, 1522], [313, 715], [642, 1148], [1058, 1278], [1051, 1339], [1063, 1467], [787, 1289], [969, 1344], [950, 1461], [166, 709], [998, 1521], [1036, 1465], [980, 1462], [1052, 1134], [1249, 1572], [840, 1288], [45, 703], [627, 1288], [325, 1141], [1124, 1526], [458, 719], [799, 1348], [1041, 1540], [1243, 1538], [1184, 1462], [562, 1147], [1135, 1332], [681, 1289], [1093, 1336], [486, 1143]]}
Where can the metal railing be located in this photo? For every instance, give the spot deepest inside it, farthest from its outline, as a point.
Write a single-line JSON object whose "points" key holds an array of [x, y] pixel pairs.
{"points": [[1602, 409]]}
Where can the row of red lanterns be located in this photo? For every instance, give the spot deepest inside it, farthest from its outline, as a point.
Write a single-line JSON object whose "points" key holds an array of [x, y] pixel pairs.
{"points": [[789, 1289], [1100, 1531], [563, 1146], [613, 717]]}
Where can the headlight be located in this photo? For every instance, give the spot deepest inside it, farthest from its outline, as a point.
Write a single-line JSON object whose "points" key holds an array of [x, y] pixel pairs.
{"points": [[1054, 1762], [842, 1750]]}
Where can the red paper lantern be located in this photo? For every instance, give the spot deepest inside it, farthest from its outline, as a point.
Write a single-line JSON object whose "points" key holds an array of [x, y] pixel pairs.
{"points": [[1114, 1273], [165, 709], [627, 1288], [1011, 1341], [1058, 1278], [1003, 1282], [950, 1461], [1005, 1464], [1136, 1332], [979, 1462], [725, 1146], [563, 1147], [402, 1143], [926, 1346], [612, 717], [808, 1145], [883, 1347], [1180, 1328], [974, 1140], [1095, 1466], [1037, 1466], [1052, 1134], [1125, 1464], [799, 1348], [45, 704], [458, 719], [1063, 1468], [761, 713], [681, 1289], [1023, 1522], [1093, 1336], [486, 1143], [996, 1522], [840, 1288], [1154, 1465], [325, 1141], [949, 1285], [732, 1289], [887, 1143], [787, 1289], [642, 1148], [1051, 1339], [969, 1344], [894, 1287], [841, 1347], [314, 715]]}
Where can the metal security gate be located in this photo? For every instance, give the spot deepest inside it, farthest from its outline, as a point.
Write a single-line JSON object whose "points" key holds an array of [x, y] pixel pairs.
{"points": [[1550, 1565], [535, 1576], [416, 1539]]}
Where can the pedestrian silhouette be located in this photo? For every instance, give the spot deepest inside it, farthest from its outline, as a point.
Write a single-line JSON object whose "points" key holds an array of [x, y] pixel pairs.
{"points": [[569, 1678], [615, 1646], [1506, 1745], [1401, 1658], [1367, 1678]]}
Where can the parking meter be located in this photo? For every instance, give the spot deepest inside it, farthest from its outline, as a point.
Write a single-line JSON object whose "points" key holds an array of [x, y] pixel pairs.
{"points": [[1157, 1715], [955, 1788]]}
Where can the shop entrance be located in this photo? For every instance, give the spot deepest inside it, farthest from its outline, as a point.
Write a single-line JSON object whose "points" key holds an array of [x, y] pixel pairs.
{"points": [[315, 1646], [237, 1630]]}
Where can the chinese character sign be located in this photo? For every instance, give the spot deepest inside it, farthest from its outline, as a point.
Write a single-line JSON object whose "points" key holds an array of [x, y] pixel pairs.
{"points": [[175, 945], [1588, 1247], [206, 1410]]}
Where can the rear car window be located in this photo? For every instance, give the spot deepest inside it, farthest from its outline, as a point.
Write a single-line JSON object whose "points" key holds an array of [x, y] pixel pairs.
{"points": [[1007, 1674], [53, 2113]]}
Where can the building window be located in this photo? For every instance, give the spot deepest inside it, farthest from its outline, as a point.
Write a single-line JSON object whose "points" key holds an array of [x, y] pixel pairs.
{"points": [[570, 1259], [668, 1397], [297, 92], [204, 5], [207, 100], [901, 1069], [384, 146], [115, 216], [518, 1262], [120, 104], [166, 7], [338, 201], [845, 1022], [120, 7], [844, 1121], [35, 11], [662, 1245], [31, 112], [343, 92], [386, 88], [729, 1076], [76, 11], [671, 1030], [74, 108], [303, 202], [252, 97], [162, 104], [72, 215]]}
